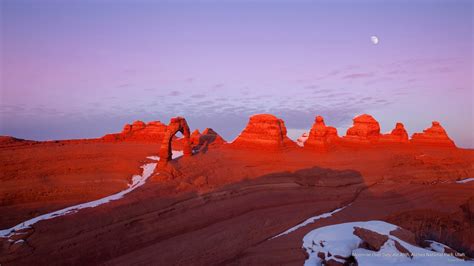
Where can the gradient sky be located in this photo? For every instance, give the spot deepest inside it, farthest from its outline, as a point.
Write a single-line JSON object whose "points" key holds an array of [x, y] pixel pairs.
{"points": [[76, 69]]}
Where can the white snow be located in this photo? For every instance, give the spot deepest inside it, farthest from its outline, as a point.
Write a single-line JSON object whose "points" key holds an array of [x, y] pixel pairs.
{"points": [[311, 220], [435, 246], [301, 140], [339, 240], [463, 181], [137, 181]]}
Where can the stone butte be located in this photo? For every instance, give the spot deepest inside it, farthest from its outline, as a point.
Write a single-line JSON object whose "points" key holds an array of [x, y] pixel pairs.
{"points": [[398, 135], [154, 131], [365, 129], [265, 132], [433, 136], [321, 136]]}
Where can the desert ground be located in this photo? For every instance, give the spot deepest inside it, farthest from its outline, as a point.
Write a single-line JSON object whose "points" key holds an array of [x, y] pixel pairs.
{"points": [[226, 204]]}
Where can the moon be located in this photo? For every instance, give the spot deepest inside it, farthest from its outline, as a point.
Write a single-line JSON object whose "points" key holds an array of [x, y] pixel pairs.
{"points": [[374, 39]]}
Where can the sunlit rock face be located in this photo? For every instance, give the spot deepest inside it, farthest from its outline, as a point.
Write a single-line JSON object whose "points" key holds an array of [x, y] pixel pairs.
{"points": [[365, 129], [265, 132], [139, 131], [321, 136], [398, 135], [433, 136]]}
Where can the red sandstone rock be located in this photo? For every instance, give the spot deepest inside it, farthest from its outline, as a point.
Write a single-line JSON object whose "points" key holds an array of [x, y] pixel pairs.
{"points": [[365, 129], [435, 136], [195, 137], [139, 132], [371, 240], [176, 124], [402, 249], [321, 135], [398, 134], [210, 136], [404, 235], [264, 131]]}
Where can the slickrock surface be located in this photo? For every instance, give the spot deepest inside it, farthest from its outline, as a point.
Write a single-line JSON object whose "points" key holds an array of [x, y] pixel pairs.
{"points": [[226, 205], [45, 176]]}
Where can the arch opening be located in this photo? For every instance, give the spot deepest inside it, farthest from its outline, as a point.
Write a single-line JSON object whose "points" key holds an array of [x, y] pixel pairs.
{"points": [[177, 124]]}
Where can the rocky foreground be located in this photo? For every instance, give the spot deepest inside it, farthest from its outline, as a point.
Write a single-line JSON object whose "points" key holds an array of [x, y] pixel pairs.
{"points": [[249, 202]]}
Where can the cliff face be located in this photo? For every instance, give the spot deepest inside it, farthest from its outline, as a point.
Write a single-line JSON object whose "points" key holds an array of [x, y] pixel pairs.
{"points": [[264, 131]]}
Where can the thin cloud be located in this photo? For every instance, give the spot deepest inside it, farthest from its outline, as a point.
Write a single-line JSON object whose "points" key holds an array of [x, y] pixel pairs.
{"points": [[358, 75]]}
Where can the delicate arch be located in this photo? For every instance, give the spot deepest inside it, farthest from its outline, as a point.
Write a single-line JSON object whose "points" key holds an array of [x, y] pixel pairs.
{"points": [[177, 124]]}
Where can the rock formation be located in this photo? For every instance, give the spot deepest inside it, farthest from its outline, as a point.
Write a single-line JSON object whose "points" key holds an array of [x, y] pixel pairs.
{"points": [[176, 124], [321, 136], [364, 129], [398, 135], [264, 131], [433, 136], [154, 131], [207, 138], [195, 137]]}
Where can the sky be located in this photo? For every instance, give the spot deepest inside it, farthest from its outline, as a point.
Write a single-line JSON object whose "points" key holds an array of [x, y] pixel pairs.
{"points": [[80, 69]]}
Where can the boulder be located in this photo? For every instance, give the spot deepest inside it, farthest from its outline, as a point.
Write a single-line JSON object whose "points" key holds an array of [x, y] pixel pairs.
{"points": [[433, 136], [370, 240], [264, 132]]}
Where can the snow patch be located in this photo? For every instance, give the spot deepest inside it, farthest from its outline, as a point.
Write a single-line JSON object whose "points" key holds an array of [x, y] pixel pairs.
{"points": [[463, 181], [339, 240], [311, 220], [301, 140]]}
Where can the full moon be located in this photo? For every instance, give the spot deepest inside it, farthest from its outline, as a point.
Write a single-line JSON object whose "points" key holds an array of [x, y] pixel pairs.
{"points": [[374, 39]]}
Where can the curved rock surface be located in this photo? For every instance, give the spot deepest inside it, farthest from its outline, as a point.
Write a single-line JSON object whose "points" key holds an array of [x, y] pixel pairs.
{"points": [[264, 131], [321, 136], [434, 136]]}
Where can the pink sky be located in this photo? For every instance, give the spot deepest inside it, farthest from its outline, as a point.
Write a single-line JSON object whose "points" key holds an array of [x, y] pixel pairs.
{"points": [[84, 68]]}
